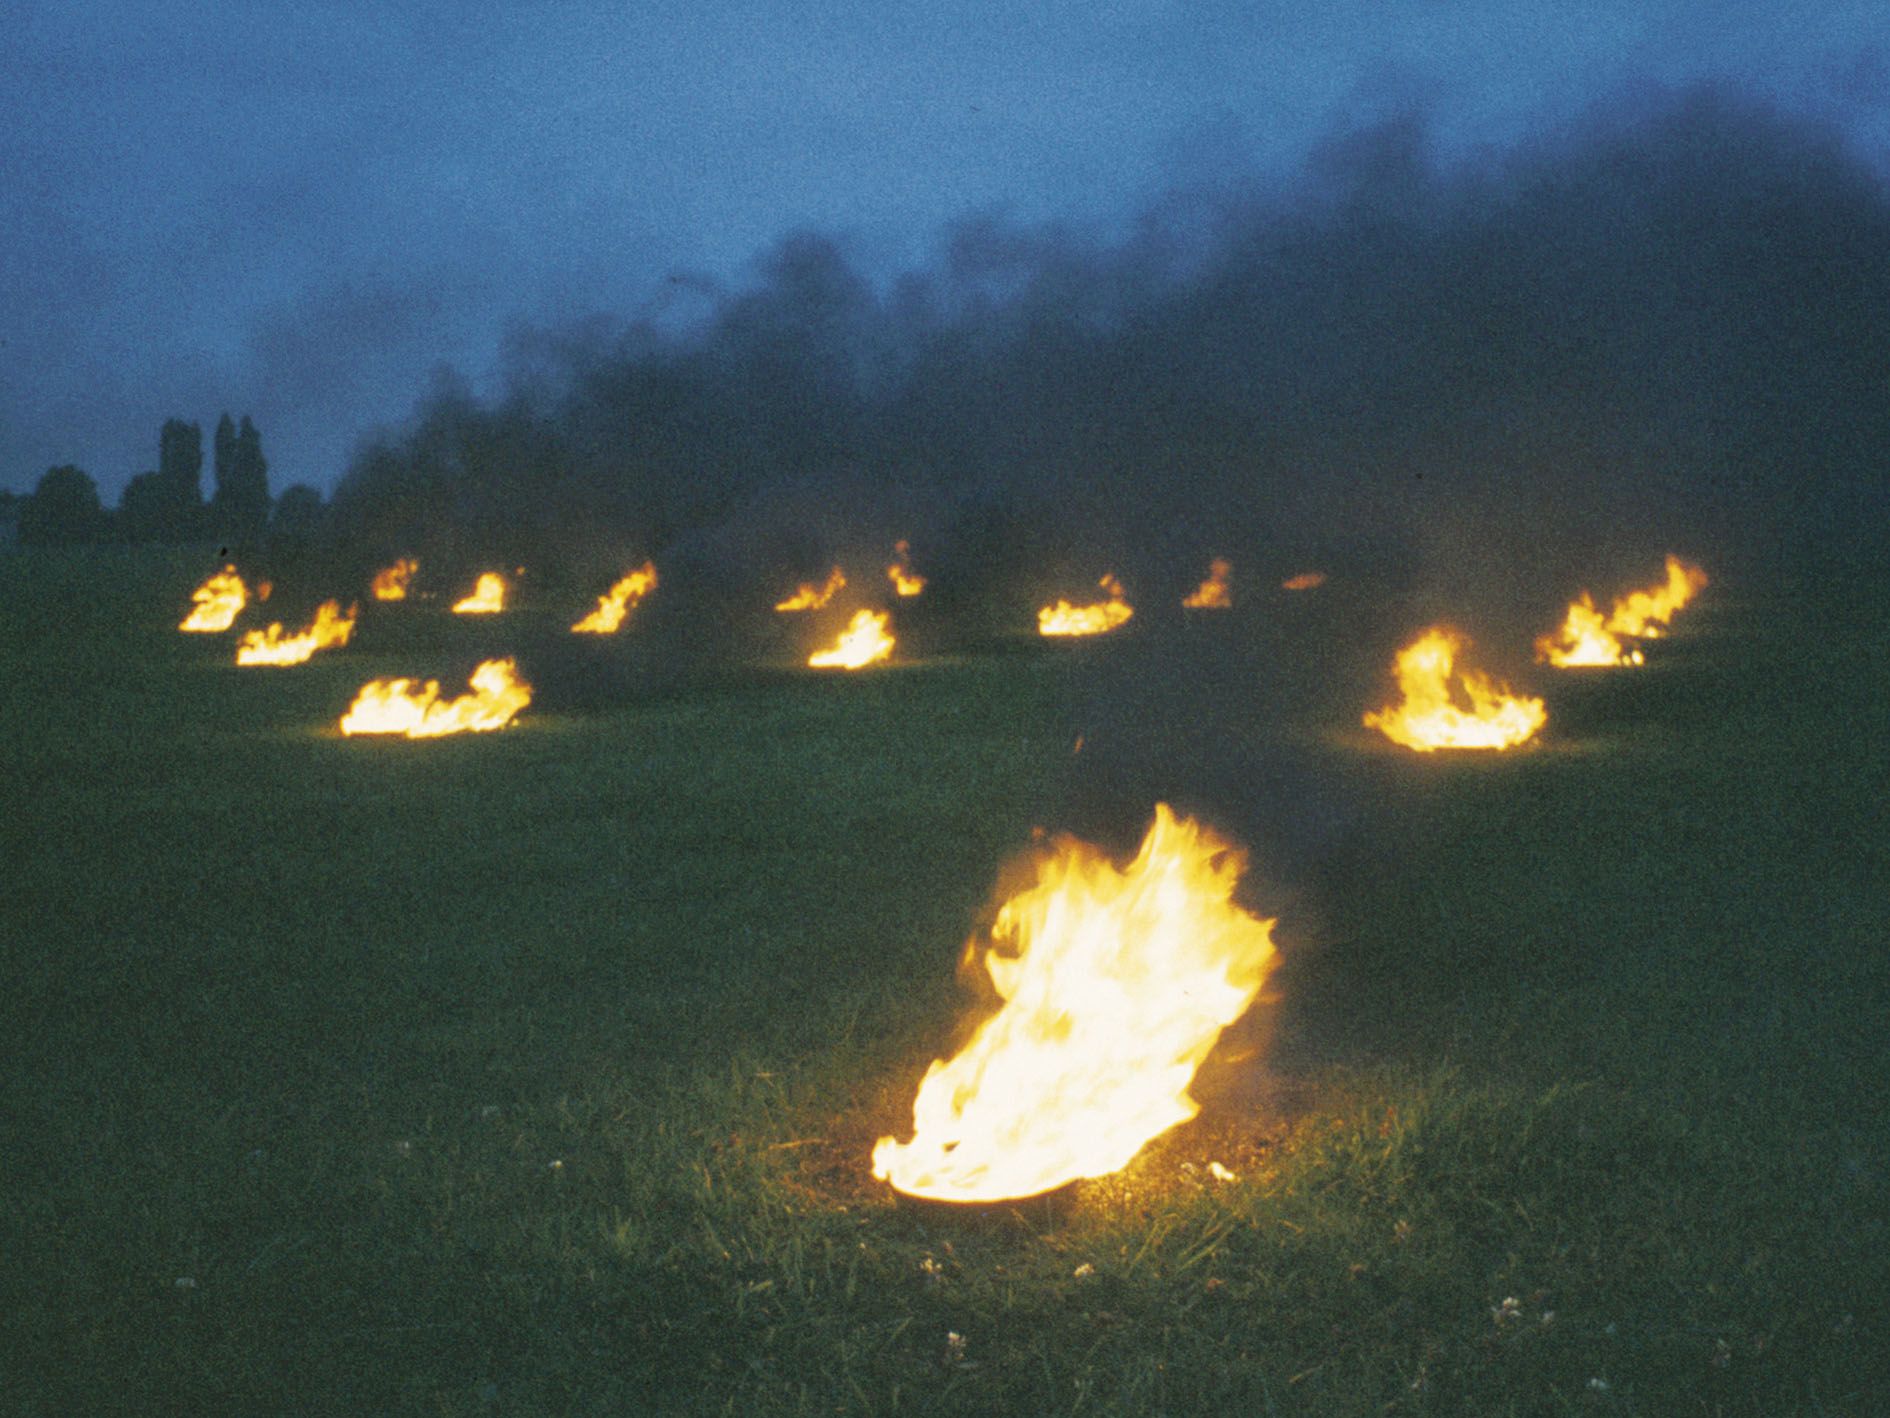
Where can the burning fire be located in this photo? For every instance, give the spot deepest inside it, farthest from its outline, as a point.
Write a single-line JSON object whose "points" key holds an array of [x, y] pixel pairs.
{"points": [[1115, 985], [1305, 581], [1066, 619], [1429, 718], [218, 601], [863, 642], [391, 584], [1586, 638], [906, 581], [1213, 594], [487, 598], [808, 597], [272, 647], [613, 606], [403, 706]]}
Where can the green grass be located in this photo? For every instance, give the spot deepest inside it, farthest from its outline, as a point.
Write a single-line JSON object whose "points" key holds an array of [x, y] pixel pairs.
{"points": [[536, 1072]]}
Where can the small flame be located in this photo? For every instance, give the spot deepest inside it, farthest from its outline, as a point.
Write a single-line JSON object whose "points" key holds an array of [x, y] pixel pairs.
{"points": [[808, 597], [1115, 986], [863, 642], [906, 581], [1428, 718], [487, 598], [404, 706], [1213, 594], [218, 601], [1066, 619], [272, 647], [391, 584], [613, 606], [1587, 639], [1305, 581]]}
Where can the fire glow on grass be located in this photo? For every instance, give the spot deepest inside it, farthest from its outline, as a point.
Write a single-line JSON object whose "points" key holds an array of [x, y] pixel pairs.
{"points": [[615, 604], [1587, 638], [272, 647], [1213, 594], [809, 597], [405, 706], [863, 642], [1115, 984], [390, 584], [218, 602], [1098, 619], [1305, 581], [487, 598], [1430, 718], [905, 580]]}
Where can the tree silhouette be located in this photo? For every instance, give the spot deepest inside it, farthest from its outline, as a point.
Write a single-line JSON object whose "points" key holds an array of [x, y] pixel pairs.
{"points": [[167, 505], [63, 510], [239, 508]]}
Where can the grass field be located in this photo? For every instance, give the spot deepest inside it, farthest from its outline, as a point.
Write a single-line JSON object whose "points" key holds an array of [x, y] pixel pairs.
{"points": [[536, 1072]]}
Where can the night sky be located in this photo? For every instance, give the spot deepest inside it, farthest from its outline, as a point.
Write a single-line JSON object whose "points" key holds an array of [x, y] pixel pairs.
{"points": [[301, 211]]}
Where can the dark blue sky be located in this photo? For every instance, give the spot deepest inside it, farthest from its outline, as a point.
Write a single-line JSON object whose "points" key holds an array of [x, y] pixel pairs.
{"points": [[299, 210]]}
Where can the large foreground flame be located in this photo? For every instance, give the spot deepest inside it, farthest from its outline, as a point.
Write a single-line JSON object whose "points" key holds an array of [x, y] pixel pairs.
{"points": [[863, 642], [272, 647], [1066, 619], [615, 604], [809, 597], [1429, 718], [1213, 594], [905, 580], [1115, 985], [391, 583], [404, 706], [218, 601], [1587, 638], [487, 598]]}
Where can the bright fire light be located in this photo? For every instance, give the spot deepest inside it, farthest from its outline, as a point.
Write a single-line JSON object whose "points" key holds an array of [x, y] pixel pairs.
{"points": [[1098, 619], [614, 605], [405, 706], [218, 601], [1213, 594], [1587, 638], [1115, 984], [1430, 718], [809, 597], [390, 584], [863, 642], [487, 598], [905, 580], [272, 647], [1305, 581]]}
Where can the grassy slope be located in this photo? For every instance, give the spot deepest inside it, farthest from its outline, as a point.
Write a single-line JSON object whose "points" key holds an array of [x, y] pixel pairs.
{"points": [[536, 1072]]}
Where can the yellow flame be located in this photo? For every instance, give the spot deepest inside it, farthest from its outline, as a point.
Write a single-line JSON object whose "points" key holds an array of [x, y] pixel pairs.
{"points": [[218, 602], [1213, 594], [404, 706], [1646, 613], [1305, 581], [487, 597], [863, 642], [1429, 718], [390, 584], [614, 605], [1115, 985], [272, 647], [809, 597], [1587, 639], [905, 580], [1098, 619]]}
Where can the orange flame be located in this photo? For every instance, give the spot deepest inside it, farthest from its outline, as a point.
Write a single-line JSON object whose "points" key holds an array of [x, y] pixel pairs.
{"points": [[614, 605], [1428, 718], [403, 706], [906, 581], [391, 584], [487, 598], [1213, 594], [863, 642], [1587, 639], [1115, 985], [1066, 619], [272, 647], [808, 597], [1305, 581], [218, 602]]}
